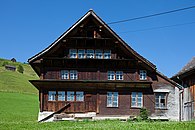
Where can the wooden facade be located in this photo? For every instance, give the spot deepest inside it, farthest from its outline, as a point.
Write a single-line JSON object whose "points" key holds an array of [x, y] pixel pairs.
{"points": [[92, 59]]}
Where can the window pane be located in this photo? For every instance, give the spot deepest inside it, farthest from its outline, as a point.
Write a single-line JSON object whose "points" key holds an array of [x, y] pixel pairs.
{"points": [[90, 53], [98, 54], [119, 75], [136, 99], [64, 74], [52, 96], [111, 75], [73, 53], [73, 74], [143, 75], [61, 96], [160, 100], [79, 96], [70, 96], [112, 99], [81, 53], [107, 54]]}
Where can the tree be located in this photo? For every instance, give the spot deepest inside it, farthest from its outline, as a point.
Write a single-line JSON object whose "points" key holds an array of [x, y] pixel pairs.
{"points": [[20, 69]]}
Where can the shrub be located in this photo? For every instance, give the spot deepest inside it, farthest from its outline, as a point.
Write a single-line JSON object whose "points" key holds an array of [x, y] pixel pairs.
{"points": [[20, 69], [5, 63], [144, 114]]}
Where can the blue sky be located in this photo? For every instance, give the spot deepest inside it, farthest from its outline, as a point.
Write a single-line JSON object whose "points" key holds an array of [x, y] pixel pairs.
{"points": [[29, 26]]}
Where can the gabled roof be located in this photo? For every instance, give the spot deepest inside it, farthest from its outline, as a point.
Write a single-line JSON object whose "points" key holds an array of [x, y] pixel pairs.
{"points": [[190, 66], [89, 13]]}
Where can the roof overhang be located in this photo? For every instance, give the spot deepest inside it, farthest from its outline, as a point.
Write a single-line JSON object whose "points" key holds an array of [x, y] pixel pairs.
{"points": [[88, 84]]}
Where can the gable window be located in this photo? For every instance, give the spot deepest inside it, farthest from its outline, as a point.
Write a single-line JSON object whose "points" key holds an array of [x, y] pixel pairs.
{"points": [[70, 95], [107, 54], [111, 75], [136, 99], [52, 96], [119, 75], [90, 54], [81, 53], [160, 100], [143, 74], [79, 96], [73, 74], [61, 96], [98, 54], [112, 99], [73, 53], [64, 74]]}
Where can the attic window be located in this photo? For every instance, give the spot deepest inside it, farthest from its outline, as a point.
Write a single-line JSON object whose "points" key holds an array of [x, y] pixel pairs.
{"points": [[143, 74], [73, 53]]}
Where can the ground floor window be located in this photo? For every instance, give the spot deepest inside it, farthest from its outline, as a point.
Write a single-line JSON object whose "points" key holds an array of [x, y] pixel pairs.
{"points": [[112, 99], [61, 95], [79, 96], [65, 96], [70, 95], [160, 100], [52, 96], [136, 99]]}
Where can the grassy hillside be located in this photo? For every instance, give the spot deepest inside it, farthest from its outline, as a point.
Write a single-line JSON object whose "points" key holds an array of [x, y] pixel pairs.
{"points": [[13, 81]]}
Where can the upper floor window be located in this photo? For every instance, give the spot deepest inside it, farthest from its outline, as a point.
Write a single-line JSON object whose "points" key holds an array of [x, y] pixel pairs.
{"points": [[112, 99], [90, 53], [98, 54], [143, 74], [119, 75], [81, 53], [52, 96], [160, 100], [73, 53], [107, 54], [73, 74], [61, 96], [64, 74], [111, 75], [79, 96], [136, 99], [70, 95]]}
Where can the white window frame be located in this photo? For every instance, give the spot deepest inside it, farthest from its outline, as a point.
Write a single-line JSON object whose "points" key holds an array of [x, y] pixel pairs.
{"points": [[70, 96], [73, 74], [73, 53], [159, 98], [61, 95], [52, 96], [136, 99], [81, 54], [107, 54], [90, 53], [119, 75], [99, 54], [79, 96], [143, 74], [112, 99], [64, 74], [111, 75]]}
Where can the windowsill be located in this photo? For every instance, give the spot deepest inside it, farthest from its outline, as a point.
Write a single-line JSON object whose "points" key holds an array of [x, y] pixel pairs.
{"points": [[111, 107], [143, 79], [135, 107], [161, 108]]}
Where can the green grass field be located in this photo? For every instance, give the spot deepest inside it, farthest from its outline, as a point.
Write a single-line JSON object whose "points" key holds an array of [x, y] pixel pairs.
{"points": [[19, 108]]}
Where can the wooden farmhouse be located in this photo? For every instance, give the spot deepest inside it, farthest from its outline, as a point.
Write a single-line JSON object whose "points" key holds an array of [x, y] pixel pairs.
{"points": [[89, 71], [186, 77]]}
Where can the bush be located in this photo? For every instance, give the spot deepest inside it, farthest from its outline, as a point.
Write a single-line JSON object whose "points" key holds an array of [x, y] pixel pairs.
{"points": [[5, 63], [20, 69], [144, 114]]}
